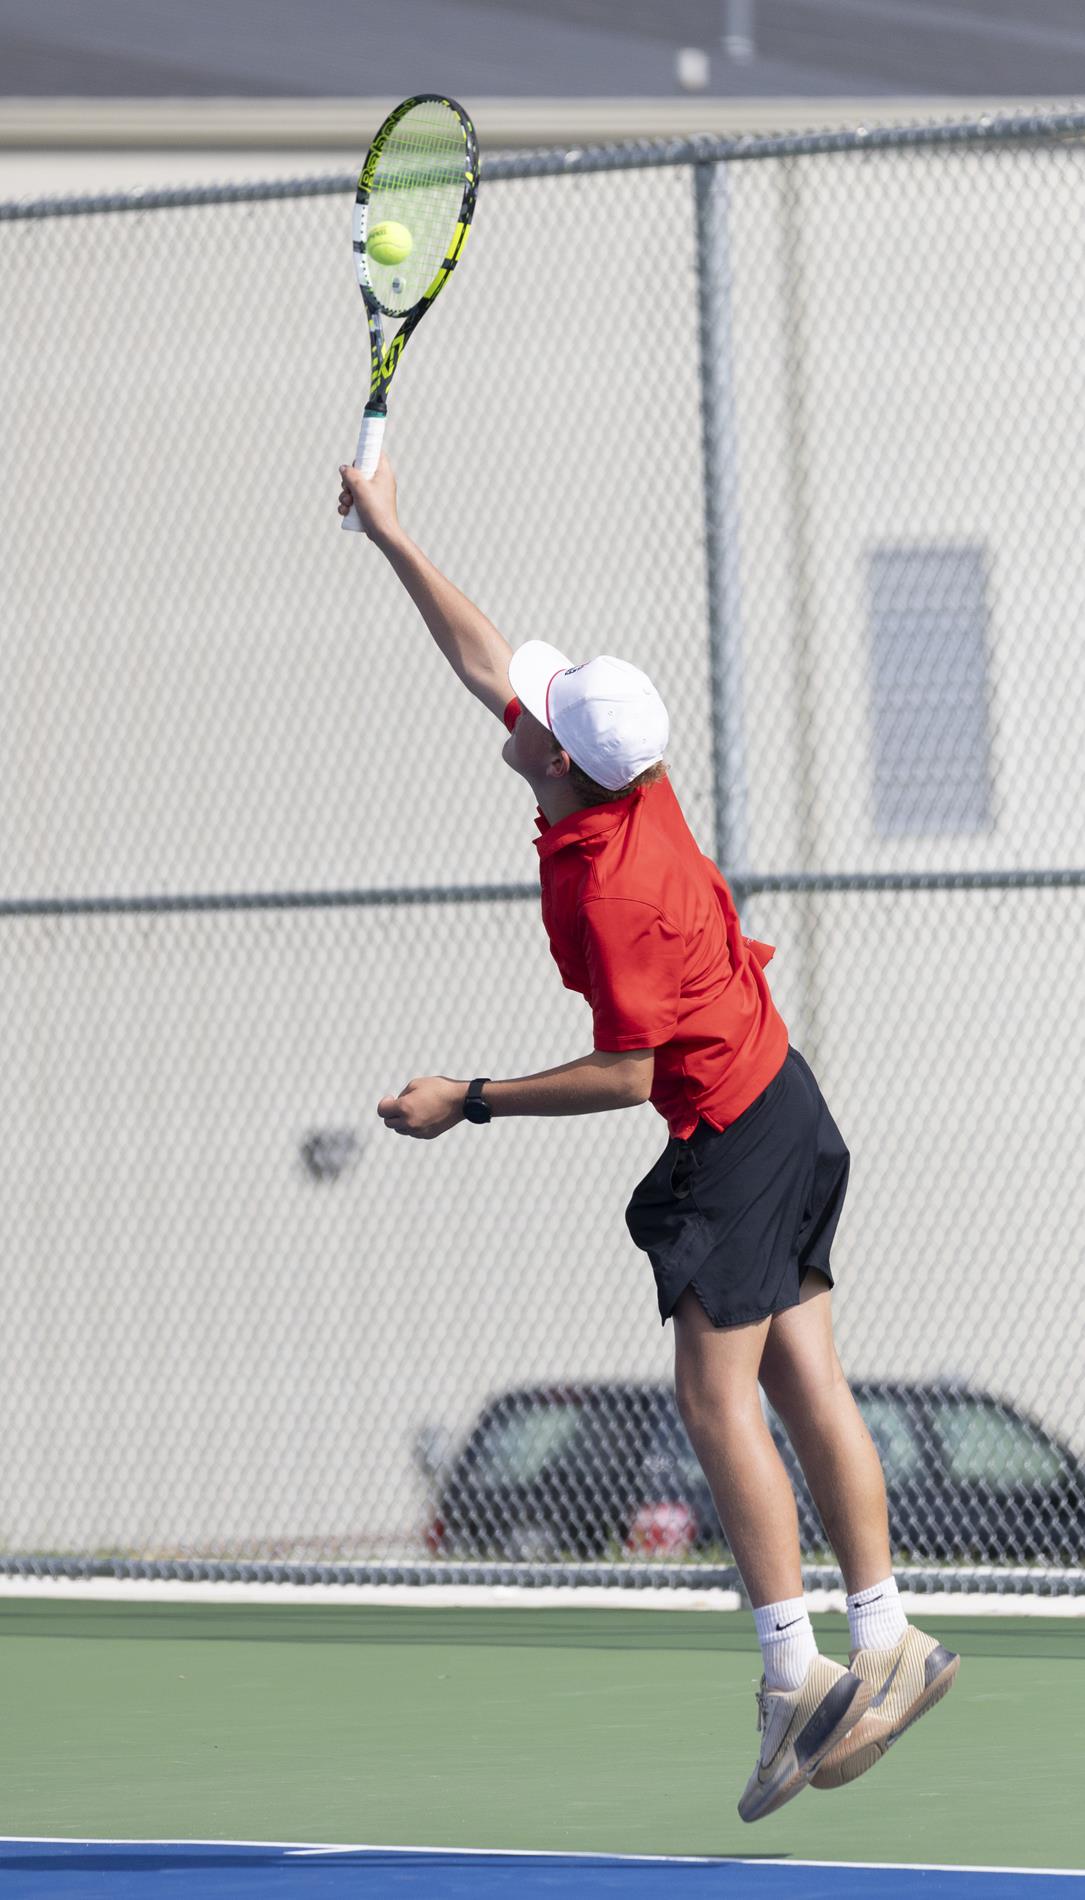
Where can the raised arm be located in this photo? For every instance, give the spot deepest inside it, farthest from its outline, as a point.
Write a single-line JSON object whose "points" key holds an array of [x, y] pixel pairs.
{"points": [[471, 644]]}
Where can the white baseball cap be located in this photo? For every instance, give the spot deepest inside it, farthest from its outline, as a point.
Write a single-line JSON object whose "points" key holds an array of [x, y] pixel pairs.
{"points": [[605, 714]]}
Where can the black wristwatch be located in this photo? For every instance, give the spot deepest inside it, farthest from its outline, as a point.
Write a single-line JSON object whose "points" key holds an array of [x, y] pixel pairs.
{"points": [[474, 1108]]}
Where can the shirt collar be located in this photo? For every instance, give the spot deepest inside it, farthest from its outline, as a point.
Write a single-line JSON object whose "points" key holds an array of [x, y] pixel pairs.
{"points": [[595, 821]]}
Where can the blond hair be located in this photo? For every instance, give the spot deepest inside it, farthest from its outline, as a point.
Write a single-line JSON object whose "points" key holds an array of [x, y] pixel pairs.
{"points": [[589, 793]]}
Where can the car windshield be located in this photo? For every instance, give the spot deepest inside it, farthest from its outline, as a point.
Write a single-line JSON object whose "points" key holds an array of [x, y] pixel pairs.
{"points": [[517, 1446], [983, 1444]]}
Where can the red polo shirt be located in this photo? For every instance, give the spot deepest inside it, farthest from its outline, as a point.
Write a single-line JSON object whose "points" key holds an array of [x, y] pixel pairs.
{"points": [[642, 924]]}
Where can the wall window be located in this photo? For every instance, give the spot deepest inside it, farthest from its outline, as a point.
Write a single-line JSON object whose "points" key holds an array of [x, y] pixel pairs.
{"points": [[931, 729]]}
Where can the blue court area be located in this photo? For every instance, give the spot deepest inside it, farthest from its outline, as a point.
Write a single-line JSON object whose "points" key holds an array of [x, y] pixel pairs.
{"points": [[136, 1870]]}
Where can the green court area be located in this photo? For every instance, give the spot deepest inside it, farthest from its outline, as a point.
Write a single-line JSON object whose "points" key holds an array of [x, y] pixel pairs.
{"points": [[625, 1731]]}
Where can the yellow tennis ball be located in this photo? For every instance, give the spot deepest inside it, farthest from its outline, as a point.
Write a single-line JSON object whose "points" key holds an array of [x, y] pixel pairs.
{"points": [[389, 243]]}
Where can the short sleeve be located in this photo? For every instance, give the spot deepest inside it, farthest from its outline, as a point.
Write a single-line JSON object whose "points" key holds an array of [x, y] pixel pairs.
{"points": [[634, 959]]}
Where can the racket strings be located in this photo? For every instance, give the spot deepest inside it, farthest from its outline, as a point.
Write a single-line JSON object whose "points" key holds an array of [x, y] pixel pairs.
{"points": [[419, 183]]}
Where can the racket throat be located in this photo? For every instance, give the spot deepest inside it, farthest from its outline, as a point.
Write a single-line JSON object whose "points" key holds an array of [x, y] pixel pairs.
{"points": [[385, 369]]}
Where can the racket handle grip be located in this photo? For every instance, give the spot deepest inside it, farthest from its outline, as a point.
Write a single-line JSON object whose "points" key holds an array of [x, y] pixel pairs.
{"points": [[366, 456]]}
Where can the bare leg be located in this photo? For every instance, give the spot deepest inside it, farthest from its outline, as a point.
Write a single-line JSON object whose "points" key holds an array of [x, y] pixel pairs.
{"points": [[715, 1374], [806, 1387]]}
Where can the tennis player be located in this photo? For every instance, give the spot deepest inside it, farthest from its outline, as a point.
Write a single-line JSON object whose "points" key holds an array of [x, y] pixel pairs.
{"points": [[738, 1214]]}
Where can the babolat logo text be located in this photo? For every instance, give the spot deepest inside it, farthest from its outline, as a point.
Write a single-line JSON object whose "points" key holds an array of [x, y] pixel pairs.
{"points": [[370, 165], [382, 372]]}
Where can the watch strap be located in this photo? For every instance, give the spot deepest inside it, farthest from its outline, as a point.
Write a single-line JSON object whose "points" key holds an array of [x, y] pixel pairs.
{"points": [[475, 1109]]}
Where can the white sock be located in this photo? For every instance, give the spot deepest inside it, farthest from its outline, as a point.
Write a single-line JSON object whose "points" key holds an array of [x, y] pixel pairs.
{"points": [[787, 1642], [875, 1618]]}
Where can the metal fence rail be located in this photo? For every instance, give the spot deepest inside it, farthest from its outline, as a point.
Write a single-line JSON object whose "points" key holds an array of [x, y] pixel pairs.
{"points": [[262, 861]]}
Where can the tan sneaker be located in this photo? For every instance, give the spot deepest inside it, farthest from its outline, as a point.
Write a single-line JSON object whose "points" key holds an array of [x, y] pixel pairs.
{"points": [[798, 1727], [904, 1683]]}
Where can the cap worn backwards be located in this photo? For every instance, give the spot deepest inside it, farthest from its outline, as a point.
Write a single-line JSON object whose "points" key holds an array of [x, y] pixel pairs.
{"points": [[605, 713]]}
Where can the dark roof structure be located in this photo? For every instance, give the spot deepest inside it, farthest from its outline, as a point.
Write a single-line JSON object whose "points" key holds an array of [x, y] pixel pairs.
{"points": [[602, 49]]}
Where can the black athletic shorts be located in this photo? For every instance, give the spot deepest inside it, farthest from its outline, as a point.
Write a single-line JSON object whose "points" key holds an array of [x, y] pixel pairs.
{"points": [[742, 1213]]}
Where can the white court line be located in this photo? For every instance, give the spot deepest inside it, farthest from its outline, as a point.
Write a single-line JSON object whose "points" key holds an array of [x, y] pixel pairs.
{"points": [[527, 1853], [461, 1596], [451, 1596], [299, 1849], [699, 1860], [514, 1853]]}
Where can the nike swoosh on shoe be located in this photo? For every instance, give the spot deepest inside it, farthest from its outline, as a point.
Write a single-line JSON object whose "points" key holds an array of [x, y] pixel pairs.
{"points": [[877, 1700]]}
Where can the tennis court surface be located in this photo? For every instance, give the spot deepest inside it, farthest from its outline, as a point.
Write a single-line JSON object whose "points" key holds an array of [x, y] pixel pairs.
{"points": [[319, 1748], [128, 1869]]}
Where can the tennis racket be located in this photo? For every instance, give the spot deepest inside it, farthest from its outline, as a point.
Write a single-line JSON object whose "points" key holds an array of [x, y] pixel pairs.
{"points": [[413, 210]]}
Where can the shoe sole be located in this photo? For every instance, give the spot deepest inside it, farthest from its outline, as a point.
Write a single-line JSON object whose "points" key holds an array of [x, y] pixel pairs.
{"points": [[869, 1753], [845, 1719]]}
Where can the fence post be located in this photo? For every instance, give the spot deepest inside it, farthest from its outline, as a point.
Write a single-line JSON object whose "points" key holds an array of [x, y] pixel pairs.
{"points": [[721, 518], [809, 930]]}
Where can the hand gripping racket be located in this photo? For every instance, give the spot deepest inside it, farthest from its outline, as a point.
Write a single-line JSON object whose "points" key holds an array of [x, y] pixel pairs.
{"points": [[412, 213]]}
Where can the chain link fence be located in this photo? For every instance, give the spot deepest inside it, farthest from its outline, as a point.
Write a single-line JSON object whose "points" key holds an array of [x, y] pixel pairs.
{"points": [[794, 425]]}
